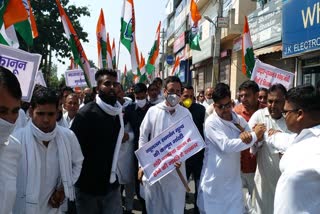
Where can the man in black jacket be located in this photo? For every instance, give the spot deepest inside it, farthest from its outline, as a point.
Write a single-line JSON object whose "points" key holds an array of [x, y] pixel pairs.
{"points": [[99, 128], [198, 111], [134, 115]]}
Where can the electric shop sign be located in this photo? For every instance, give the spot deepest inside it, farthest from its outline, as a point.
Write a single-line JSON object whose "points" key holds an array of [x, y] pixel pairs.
{"points": [[301, 26]]}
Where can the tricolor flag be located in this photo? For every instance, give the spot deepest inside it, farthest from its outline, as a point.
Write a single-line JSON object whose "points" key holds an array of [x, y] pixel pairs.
{"points": [[32, 21], [248, 60], [114, 60], [109, 53], [154, 53], [124, 75], [142, 69], [72, 64], [101, 41], [11, 13], [195, 16], [128, 33], [176, 67], [77, 50]]}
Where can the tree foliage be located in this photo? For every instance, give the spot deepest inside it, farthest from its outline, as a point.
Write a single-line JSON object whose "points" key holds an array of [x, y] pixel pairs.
{"points": [[51, 33]]}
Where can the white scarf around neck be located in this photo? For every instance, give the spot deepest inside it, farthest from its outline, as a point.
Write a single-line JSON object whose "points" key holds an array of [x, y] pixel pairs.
{"points": [[164, 106], [113, 110], [32, 164], [6, 129]]}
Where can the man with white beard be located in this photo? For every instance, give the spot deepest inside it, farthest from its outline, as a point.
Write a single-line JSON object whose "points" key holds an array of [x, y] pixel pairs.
{"points": [[10, 148]]}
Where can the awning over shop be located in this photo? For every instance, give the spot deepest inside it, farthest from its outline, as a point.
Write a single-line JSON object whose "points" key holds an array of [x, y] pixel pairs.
{"points": [[269, 49]]}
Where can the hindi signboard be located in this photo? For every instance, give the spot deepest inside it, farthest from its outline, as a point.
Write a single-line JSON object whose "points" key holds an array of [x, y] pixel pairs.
{"points": [[75, 78], [266, 75], [175, 144], [24, 65]]}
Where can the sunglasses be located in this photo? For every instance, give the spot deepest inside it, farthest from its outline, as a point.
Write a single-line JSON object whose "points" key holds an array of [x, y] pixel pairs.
{"points": [[224, 106]]}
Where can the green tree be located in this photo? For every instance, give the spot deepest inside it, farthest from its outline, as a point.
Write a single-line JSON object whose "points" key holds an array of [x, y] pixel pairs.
{"points": [[51, 33]]}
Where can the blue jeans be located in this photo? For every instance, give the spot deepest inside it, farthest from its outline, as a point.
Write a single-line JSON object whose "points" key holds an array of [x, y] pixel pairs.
{"points": [[90, 204]]}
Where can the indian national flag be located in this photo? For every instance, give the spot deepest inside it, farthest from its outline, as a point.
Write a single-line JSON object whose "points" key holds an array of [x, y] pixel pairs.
{"points": [[127, 35], [195, 16], [101, 41], [114, 55], [109, 53], [154, 53], [176, 67], [77, 50], [248, 60]]}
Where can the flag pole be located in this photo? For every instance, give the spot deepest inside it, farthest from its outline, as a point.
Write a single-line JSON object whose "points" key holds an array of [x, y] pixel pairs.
{"points": [[118, 52]]}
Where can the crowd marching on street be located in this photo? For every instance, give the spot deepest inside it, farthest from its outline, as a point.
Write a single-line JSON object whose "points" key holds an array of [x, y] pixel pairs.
{"points": [[73, 151], [106, 141]]}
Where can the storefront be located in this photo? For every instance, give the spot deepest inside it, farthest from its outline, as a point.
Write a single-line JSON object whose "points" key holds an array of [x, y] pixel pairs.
{"points": [[301, 38]]}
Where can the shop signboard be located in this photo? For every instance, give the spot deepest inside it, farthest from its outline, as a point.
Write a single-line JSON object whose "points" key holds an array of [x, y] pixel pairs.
{"points": [[301, 27]]}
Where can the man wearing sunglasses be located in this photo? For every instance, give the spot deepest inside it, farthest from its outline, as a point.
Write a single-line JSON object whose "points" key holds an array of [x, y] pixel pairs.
{"points": [[100, 130], [226, 135], [298, 187]]}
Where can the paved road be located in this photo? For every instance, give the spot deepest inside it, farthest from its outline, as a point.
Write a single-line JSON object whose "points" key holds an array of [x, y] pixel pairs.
{"points": [[189, 201]]}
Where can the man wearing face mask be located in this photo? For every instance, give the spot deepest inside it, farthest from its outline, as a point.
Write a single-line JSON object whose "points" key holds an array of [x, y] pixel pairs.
{"points": [[134, 114], [100, 129], [208, 97], [168, 194], [194, 163], [10, 148]]}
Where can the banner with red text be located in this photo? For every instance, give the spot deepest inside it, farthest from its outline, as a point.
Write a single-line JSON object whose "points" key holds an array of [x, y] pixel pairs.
{"points": [[175, 144], [266, 75]]}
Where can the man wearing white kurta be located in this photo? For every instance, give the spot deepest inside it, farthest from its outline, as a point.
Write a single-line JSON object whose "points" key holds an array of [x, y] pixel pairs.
{"points": [[51, 159], [226, 135], [10, 148], [168, 194], [268, 158], [298, 188]]}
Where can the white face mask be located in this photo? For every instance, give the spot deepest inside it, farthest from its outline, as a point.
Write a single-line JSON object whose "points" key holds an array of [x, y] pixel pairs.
{"points": [[141, 103], [6, 129], [173, 99]]}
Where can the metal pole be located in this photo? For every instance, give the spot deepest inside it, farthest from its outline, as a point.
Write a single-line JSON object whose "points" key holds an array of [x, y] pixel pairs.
{"points": [[217, 39]]}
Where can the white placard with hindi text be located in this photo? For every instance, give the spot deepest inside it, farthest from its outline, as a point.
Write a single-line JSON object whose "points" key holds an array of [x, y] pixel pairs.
{"points": [[266, 75], [24, 65], [76, 78], [175, 144]]}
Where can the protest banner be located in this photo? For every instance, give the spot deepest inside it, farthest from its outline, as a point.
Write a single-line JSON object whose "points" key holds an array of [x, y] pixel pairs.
{"points": [[266, 75], [175, 144], [40, 79], [76, 78], [24, 65]]}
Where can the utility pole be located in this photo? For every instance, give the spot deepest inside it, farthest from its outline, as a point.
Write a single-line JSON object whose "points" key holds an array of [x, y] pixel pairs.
{"points": [[162, 58], [217, 40]]}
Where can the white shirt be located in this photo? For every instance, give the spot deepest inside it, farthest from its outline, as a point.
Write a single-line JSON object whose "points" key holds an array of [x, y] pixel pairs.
{"points": [[268, 158], [220, 182], [168, 194], [68, 119], [298, 188], [10, 154]]}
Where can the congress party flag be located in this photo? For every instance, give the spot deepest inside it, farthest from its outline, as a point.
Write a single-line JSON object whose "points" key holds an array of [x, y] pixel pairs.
{"points": [[77, 50]]}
